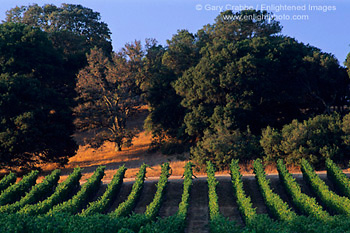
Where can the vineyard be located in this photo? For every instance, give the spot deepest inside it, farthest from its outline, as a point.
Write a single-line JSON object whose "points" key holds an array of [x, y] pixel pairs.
{"points": [[260, 203]]}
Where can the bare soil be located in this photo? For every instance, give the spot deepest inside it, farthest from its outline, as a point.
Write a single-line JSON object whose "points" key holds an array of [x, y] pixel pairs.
{"points": [[328, 182], [98, 194], [227, 204], [278, 188], [304, 187], [122, 195], [198, 216], [251, 189], [172, 198], [198, 213], [148, 191]]}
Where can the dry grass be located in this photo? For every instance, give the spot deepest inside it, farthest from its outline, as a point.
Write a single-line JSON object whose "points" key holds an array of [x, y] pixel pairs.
{"points": [[89, 159]]}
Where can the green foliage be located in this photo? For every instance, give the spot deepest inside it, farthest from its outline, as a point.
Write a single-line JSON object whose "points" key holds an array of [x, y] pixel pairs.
{"points": [[16, 191], [26, 50], [165, 66], [137, 221], [100, 223], [171, 224], [7, 181], [36, 92], [217, 222], [62, 192], [270, 141], [318, 221], [134, 222], [338, 178], [262, 223], [177, 222], [254, 82], [277, 207], [58, 223], [161, 97], [305, 204], [185, 198], [72, 28], [338, 204], [221, 225], [315, 139], [347, 63], [109, 195], [233, 74], [244, 203], [37, 193], [182, 52], [223, 145], [243, 79], [213, 197], [153, 208], [76, 203], [126, 207], [229, 26], [346, 130]]}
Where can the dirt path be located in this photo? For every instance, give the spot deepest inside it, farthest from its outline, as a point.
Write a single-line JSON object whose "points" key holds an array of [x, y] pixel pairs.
{"points": [[172, 198], [227, 203], [198, 213], [278, 188], [147, 194], [305, 188], [328, 183], [303, 185], [122, 195], [198, 216], [98, 194], [251, 188]]}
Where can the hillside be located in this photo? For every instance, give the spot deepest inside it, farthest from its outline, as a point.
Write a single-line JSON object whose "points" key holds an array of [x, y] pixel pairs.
{"points": [[89, 158]]}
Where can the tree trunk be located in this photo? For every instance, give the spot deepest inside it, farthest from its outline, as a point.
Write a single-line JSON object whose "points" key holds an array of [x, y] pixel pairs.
{"points": [[118, 147]]}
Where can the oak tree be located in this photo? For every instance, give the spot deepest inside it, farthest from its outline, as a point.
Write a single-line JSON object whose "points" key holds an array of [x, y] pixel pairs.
{"points": [[72, 28], [108, 95], [36, 121]]}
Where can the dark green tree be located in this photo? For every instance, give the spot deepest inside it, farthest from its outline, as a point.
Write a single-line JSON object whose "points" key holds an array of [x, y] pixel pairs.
{"points": [[162, 67], [315, 139], [242, 25], [161, 98], [183, 52], [248, 75], [259, 82], [36, 122], [222, 145], [347, 63], [72, 28]]}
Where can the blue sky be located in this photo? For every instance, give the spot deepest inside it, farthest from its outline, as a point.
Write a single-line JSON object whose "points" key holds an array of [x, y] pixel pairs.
{"points": [[321, 23]]}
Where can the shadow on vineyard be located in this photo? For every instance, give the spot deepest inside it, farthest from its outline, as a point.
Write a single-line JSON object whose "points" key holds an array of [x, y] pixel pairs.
{"points": [[211, 203]]}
